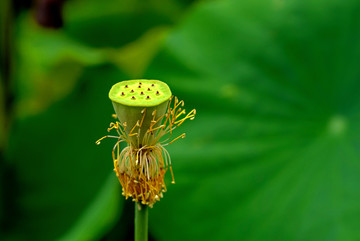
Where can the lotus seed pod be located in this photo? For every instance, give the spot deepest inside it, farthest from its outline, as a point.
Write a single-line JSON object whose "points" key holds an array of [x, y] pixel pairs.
{"points": [[147, 112], [138, 102]]}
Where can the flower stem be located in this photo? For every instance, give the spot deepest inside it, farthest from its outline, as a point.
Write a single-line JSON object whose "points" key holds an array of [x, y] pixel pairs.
{"points": [[141, 222]]}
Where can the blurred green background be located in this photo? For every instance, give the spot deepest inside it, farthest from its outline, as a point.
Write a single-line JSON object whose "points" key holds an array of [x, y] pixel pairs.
{"points": [[273, 154]]}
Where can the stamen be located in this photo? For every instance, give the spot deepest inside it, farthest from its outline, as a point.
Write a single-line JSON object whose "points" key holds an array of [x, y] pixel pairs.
{"points": [[142, 119], [172, 175], [137, 124], [98, 142], [141, 169]]}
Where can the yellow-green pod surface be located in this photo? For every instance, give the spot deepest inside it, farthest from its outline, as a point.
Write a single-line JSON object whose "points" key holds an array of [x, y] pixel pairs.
{"points": [[131, 97]]}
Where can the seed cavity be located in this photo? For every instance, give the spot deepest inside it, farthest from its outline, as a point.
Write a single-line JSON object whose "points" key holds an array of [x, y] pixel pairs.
{"points": [[157, 93], [149, 89], [126, 86], [148, 97], [139, 86], [133, 98], [132, 91], [122, 93], [142, 93], [152, 85]]}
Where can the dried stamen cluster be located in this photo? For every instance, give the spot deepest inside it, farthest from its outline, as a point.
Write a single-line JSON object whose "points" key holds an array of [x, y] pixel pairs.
{"points": [[141, 165]]}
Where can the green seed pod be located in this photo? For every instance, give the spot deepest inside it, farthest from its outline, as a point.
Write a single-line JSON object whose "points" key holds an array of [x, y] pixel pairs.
{"points": [[137, 103]]}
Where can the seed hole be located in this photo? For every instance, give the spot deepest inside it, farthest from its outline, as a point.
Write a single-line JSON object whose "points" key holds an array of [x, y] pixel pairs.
{"points": [[148, 97], [142, 93], [133, 98], [132, 91], [126, 86], [149, 89]]}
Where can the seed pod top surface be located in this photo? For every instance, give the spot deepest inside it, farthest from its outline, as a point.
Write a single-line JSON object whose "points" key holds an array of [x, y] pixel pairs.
{"points": [[140, 93]]}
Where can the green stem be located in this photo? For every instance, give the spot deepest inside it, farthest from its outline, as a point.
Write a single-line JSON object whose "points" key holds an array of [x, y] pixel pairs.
{"points": [[141, 222]]}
